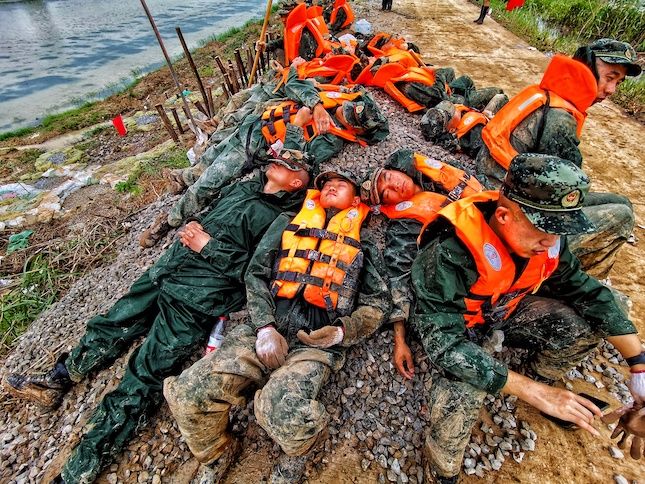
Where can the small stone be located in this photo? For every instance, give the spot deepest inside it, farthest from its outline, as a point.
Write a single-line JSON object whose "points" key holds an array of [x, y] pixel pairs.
{"points": [[391, 476], [111, 478], [620, 479], [365, 464], [469, 464], [616, 453], [396, 467]]}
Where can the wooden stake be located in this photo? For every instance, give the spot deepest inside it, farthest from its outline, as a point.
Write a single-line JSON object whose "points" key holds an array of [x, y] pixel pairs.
{"points": [[258, 53], [177, 122], [166, 122], [244, 78]]}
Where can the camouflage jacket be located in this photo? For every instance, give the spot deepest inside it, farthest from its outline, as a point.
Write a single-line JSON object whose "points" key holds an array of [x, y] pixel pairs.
{"points": [[442, 275], [372, 303], [558, 138], [236, 224]]}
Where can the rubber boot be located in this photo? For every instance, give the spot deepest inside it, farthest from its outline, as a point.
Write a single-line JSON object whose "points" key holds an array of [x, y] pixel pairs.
{"points": [[46, 389], [482, 15]]}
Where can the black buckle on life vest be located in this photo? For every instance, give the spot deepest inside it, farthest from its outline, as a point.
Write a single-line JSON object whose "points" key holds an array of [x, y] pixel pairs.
{"points": [[324, 234]]}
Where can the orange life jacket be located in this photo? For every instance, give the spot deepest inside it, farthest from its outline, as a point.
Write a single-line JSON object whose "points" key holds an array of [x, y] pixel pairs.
{"points": [[497, 292], [469, 119], [423, 75], [423, 206], [275, 119], [334, 68], [567, 84], [391, 41], [301, 18], [323, 257], [342, 5]]}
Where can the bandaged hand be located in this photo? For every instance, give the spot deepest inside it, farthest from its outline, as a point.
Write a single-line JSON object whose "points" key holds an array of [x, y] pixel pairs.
{"points": [[631, 423], [194, 237], [322, 338], [271, 347], [637, 388]]}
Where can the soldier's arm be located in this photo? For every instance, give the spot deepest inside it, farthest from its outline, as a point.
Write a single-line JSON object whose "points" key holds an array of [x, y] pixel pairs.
{"points": [[373, 297], [324, 147], [592, 300], [559, 137], [441, 276], [300, 90], [258, 276]]}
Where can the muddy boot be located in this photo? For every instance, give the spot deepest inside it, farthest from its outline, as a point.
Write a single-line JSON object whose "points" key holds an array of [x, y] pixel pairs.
{"points": [[214, 472], [176, 183], [46, 389], [288, 470], [159, 228], [482, 15], [430, 475]]}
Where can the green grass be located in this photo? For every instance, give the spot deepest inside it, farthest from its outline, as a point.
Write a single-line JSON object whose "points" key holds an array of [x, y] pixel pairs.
{"points": [[18, 133], [37, 289], [175, 158]]}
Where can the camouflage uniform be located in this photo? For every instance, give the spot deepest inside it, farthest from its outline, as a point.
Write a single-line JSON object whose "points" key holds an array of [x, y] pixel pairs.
{"points": [[560, 325], [287, 406], [173, 304], [244, 145]]}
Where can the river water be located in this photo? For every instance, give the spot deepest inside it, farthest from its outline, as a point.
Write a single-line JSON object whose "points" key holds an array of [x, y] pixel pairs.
{"points": [[55, 54]]}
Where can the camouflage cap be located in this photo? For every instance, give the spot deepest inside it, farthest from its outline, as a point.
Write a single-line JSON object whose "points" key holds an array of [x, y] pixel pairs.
{"points": [[325, 176], [435, 121], [369, 188], [550, 192], [363, 114], [291, 159], [617, 52]]}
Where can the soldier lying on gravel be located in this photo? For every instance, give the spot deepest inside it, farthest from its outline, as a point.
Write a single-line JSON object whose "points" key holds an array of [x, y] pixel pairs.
{"points": [[332, 128], [199, 277], [498, 261], [410, 190], [548, 118], [302, 305]]}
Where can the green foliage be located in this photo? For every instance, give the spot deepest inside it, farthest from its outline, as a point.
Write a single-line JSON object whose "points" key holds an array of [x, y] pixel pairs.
{"points": [[206, 71], [36, 290], [18, 133], [81, 117]]}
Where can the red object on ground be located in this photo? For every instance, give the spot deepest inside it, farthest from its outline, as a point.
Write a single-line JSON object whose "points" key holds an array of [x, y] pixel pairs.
{"points": [[512, 4], [120, 127]]}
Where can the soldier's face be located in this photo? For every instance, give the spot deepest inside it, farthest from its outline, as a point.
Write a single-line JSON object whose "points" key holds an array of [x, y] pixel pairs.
{"points": [[394, 186], [519, 235], [338, 193], [610, 77], [285, 179]]}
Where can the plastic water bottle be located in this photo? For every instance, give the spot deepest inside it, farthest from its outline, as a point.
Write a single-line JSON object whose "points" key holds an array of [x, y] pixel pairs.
{"points": [[217, 335]]}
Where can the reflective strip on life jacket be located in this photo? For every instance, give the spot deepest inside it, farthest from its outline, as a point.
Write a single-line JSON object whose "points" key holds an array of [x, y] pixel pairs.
{"points": [[332, 272], [497, 133], [496, 289]]}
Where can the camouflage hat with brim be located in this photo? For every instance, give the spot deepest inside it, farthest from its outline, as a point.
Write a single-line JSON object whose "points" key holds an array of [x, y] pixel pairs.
{"points": [[550, 191], [435, 121], [617, 52], [325, 176], [363, 114], [369, 188]]}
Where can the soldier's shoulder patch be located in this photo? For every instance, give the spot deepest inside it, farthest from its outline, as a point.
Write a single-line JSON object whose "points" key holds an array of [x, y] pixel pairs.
{"points": [[492, 256], [403, 206]]}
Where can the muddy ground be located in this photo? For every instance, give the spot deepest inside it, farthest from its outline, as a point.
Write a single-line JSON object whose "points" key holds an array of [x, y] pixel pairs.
{"points": [[447, 37]]}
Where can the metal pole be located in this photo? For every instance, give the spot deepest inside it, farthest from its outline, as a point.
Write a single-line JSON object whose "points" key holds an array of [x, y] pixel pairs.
{"points": [[194, 127], [194, 68]]}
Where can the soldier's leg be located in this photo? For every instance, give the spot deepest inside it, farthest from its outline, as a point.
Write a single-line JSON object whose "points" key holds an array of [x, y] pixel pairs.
{"points": [[201, 397], [613, 216], [454, 408], [106, 336], [225, 167], [557, 336], [287, 406], [173, 336]]}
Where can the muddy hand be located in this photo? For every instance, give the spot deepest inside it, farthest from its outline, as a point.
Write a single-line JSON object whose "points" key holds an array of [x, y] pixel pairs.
{"points": [[631, 424], [322, 338]]}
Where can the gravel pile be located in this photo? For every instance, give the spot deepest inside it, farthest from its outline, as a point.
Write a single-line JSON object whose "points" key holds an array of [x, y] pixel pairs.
{"points": [[372, 408]]}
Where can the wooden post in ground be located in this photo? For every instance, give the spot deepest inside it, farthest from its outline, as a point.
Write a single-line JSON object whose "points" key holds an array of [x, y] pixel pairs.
{"points": [[263, 33], [166, 122], [177, 121]]}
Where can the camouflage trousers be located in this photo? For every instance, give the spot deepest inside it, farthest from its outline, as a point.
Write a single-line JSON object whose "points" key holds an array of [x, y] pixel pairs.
{"points": [[613, 216], [286, 406], [172, 330], [558, 340]]}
